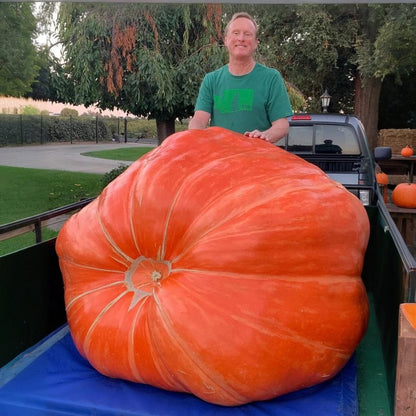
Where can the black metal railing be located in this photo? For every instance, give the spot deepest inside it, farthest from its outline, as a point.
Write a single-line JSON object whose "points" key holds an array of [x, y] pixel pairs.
{"points": [[36, 222]]}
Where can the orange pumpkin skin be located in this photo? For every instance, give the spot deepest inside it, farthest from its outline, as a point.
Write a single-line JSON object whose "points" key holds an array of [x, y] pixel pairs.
{"points": [[404, 195], [406, 151], [217, 265], [383, 179]]}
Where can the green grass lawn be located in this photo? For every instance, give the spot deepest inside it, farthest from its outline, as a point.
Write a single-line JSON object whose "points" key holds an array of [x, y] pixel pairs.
{"points": [[27, 192], [129, 154]]}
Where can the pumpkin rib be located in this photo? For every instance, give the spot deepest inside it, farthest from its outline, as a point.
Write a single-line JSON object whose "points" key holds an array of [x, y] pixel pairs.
{"points": [[132, 349], [340, 358], [131, 199], [259, 323], [203, 169], [249, 181], [196, 361], [87, 266], [114, 245], [327, 280], [89, 292], [161, 366], [95, 323], [252, 206]]}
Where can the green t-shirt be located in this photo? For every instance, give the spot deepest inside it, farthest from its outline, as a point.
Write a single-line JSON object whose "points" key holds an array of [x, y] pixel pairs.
{"points": [[244, 103]]}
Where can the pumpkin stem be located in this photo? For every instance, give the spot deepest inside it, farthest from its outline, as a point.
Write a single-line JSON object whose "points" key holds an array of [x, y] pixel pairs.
{"points": [[156, 276]]}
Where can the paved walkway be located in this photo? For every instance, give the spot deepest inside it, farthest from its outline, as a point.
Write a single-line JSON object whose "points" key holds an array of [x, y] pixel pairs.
{"points": [[64, 157]]}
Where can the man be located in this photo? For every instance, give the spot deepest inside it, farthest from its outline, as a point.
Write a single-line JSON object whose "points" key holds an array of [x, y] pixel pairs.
{"points": [[243, 96]]}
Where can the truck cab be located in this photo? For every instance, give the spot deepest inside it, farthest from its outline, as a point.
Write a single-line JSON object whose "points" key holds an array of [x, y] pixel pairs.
{"points": [[337, 144]]}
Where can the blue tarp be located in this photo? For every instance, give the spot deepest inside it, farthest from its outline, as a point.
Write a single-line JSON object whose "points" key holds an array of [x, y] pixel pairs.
{"points": [[52, 379]]}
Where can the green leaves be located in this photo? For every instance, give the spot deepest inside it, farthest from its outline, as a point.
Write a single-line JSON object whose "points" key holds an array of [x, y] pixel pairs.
{"points": [[395, 47], [18, 67], [158, 78]]}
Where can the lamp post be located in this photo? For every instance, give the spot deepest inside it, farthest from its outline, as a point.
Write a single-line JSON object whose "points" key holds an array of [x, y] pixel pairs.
{"points": [[325, 100]]}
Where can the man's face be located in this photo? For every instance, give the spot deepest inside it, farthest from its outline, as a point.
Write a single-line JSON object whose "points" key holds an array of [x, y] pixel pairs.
{"points": [[240, 39]]}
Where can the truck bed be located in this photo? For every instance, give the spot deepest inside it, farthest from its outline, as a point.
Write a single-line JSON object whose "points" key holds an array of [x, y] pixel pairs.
{"points": [[31, 297], [53, 378]]}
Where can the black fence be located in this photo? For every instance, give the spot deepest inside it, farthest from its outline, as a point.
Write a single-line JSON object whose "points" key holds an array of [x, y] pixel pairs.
{"points": [[35, 223], [17, 129]]}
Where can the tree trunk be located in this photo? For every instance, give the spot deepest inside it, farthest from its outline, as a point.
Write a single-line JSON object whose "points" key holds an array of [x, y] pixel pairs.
{"points": [[164, 129], [367, 97]]}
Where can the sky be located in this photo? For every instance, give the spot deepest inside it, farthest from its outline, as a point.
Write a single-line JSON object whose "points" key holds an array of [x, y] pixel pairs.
{"points": [[48, 38]]}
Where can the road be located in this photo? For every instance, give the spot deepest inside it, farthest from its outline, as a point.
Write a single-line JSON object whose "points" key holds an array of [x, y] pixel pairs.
{"points": [[66, 157]]}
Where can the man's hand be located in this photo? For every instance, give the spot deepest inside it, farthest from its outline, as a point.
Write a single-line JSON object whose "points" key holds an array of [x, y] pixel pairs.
{"points": [[259, 134], [278, 130]]}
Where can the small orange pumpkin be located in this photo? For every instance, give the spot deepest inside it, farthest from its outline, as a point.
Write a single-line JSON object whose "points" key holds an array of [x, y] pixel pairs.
{"points": [[406, 151], [217, 265], [404, 195], [383, 179]]}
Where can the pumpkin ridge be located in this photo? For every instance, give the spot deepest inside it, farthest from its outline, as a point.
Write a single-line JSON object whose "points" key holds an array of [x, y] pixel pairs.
{"points": [[111, 241], [131, 199], [288, 334], [89, 292], [255, 205], [87, 339], [327, 280], [131, 357], [159, 362], [86, 266], [190, 179], [216, 378], [260, 323]]}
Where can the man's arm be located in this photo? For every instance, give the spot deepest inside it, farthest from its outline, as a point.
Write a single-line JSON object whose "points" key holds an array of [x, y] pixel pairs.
{"points": [[278, 129], [200, 120]]}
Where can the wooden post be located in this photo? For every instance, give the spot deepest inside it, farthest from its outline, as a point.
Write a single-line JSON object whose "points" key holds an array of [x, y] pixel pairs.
{"points": [[405, 403]]}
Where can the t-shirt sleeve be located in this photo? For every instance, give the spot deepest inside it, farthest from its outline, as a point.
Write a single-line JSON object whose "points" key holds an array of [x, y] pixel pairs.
{"points": [[205, 100], [279, 104]]}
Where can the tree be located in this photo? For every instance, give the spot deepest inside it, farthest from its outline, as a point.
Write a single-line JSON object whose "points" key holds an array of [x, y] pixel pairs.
{"points": [[311, 46], [18, 67], [385, 47], [346, 48], [148, 60], [398, 103], [42, 87], [144, 59]]}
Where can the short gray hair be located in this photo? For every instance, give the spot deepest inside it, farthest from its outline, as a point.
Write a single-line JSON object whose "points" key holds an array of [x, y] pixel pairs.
{"points": [[239, 15]]}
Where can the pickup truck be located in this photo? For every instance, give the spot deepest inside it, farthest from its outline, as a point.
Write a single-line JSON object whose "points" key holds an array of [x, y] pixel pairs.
{"points": [[337, 144], [31, 291]]}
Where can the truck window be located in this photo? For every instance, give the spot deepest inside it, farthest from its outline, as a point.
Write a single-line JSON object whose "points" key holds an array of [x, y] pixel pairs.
{"points": [[300, 139], [323, 138], [336, 140]]}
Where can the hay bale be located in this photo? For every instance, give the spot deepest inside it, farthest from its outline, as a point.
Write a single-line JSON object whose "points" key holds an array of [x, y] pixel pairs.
{"points": [[397, 139]]}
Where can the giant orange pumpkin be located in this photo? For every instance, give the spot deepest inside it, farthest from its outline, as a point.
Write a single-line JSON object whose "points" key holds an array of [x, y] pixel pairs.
{"points": [[217, 265], [404, 195]]}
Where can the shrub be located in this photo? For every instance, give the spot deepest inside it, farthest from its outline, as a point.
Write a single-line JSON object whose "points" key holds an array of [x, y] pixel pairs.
{"points": [[69, 112], [29, 110], [64, 129], [112, 174]]}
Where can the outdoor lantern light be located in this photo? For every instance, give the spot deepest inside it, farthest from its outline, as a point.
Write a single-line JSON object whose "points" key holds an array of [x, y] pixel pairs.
{"points": [[325, 100]]}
